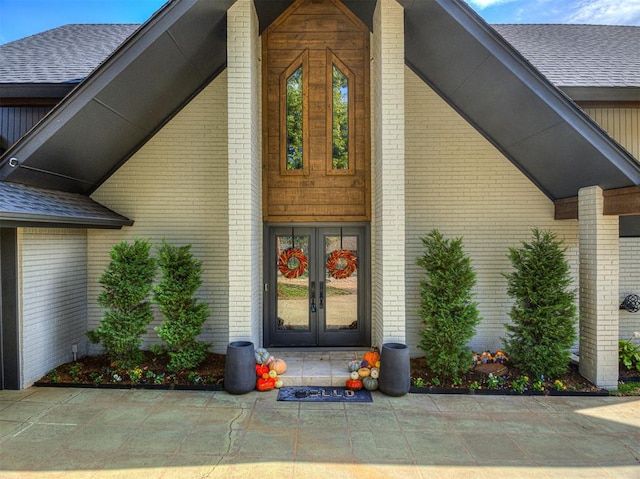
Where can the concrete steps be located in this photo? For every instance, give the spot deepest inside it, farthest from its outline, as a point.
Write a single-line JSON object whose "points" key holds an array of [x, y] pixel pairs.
{"points": [[326, 368]]}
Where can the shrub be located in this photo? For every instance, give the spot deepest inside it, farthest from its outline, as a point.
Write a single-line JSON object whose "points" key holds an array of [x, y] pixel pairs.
{"points": [[447, 308], [126, 285], [629, 353], [183, 314], [544, 313]]}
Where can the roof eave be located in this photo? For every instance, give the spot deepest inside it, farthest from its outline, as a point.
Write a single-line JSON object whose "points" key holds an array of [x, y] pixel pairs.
{"points": [[556, 145], [179, 50]]}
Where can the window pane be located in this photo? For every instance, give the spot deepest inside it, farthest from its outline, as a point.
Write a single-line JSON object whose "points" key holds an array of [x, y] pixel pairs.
{"points": [[340, 120], [294, 120], [341, 294], [293, 290]]}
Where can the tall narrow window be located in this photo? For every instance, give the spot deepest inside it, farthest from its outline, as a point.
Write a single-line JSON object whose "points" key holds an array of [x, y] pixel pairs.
{"points": [[295, 117], [340, 117], [340, 121], [294, 121]]}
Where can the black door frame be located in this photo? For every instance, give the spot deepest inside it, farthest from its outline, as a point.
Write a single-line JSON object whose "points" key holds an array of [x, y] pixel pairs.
{"points": [[272, 338], [9, 331]]}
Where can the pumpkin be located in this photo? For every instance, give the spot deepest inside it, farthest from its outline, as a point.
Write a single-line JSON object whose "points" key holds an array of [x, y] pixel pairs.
{"points": [[273, 374], [370, 383], [364, 372], [262, 355], [375, 373], [265, 384], [278, 384], [372, 357], [354, 365], [278, 365], [354, 375], [354, 384], [261, 369]]}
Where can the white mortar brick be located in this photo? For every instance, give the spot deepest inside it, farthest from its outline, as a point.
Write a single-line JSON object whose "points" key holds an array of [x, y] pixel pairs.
{"points": [[244, 176], [53, 298], [175, 187], [599, 279]]}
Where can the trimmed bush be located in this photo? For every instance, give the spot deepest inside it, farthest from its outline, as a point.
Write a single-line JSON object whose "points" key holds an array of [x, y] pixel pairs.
{"points": [[544, 313], [183, 314], [448, 309], [126, 285]]}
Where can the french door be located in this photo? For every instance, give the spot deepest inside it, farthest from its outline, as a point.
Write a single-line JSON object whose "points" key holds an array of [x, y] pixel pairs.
{"points": [[317, 287]]}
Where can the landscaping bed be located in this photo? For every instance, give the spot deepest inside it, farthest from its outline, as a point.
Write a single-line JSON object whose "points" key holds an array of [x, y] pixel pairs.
{"points": [[511, 381], [97, 371]]}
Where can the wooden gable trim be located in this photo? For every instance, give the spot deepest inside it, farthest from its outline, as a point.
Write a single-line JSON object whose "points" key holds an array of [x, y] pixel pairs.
{"points": [[617, 202]]}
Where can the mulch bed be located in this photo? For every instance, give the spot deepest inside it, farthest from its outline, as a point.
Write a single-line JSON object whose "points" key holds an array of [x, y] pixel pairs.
{"points": [[151, 372], [98, 371]]}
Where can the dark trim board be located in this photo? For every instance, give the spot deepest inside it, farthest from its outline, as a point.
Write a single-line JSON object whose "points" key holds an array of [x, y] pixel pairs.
{"points": [[9, 333]]}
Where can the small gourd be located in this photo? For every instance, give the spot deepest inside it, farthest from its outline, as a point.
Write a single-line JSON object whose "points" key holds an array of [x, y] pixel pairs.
{"points": [[354, 365], [364, 372], [273, 374], [370, 383], [375, 373], [354, 384], [279, 366], [278, 384], [372, 357], [262, 355], [354, 375]]}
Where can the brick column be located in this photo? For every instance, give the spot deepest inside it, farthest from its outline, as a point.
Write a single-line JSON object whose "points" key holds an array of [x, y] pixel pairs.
{"points": [[245, 216], [388, 184], [599, 277]]}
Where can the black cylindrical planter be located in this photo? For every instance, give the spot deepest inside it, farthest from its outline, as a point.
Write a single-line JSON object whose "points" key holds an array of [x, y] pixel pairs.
{"points": [[395, 369], [240, 368]]}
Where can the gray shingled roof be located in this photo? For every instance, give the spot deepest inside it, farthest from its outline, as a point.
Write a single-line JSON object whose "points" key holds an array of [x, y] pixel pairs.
{"points": [[61, 55], [568, 55], [580, 55], [21, 203]]}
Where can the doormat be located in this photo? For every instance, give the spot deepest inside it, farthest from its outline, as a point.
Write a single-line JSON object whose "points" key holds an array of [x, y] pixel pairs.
{"points": [[323, 394]]}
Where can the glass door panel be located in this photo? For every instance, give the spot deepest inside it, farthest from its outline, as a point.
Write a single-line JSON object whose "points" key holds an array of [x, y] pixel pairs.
{"points": [[292, 279], [341, 273]]}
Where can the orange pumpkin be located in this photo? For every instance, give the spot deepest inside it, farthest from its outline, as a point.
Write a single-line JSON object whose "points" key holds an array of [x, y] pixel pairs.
{"points": [[372, 357], [279, 366]]}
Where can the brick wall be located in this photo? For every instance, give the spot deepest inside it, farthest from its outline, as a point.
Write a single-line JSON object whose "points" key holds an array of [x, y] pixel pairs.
{"points": [[53, 310], [460, 184], [388, 174], [599, 290], [245, 173], [176, 187]]}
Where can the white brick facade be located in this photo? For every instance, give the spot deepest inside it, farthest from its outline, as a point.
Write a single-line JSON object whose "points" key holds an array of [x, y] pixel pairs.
{"points": [[245, 180], [457, 182], [53, 292], [175, 187], [388, 174], [599, 290]]}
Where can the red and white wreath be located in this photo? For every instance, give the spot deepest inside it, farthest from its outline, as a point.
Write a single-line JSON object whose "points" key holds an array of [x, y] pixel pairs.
{"points": [[292, 263], [342, 263]]}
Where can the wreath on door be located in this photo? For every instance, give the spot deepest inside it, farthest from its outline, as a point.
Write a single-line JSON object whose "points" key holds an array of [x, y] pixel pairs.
{"points": [[342, 263], [292, 263]]}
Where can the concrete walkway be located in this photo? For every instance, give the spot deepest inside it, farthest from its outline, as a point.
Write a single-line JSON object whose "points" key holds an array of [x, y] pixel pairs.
{"points": [[65, 432]]}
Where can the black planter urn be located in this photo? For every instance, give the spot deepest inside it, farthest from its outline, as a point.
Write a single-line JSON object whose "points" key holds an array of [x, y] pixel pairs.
{"points": [[395, 369], [240, 368]]}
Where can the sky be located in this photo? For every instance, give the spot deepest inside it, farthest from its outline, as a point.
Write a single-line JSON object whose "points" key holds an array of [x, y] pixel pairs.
{"points": [[21, 18]]}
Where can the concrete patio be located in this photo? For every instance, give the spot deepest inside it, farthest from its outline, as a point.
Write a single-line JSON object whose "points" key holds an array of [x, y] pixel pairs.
{"points": [[96, 433]]}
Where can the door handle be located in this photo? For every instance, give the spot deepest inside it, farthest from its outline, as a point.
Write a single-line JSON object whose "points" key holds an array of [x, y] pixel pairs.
{"points": [[313, 296], [321, 299]]}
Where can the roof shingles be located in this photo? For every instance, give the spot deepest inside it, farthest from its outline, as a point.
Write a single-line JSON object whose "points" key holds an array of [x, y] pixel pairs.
{"points": [[61, 55], [580, 55]]}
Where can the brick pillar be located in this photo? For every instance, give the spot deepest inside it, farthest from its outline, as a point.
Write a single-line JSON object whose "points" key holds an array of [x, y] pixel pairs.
{"points": [[245, 209], [388, 184], [599, 277]]}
